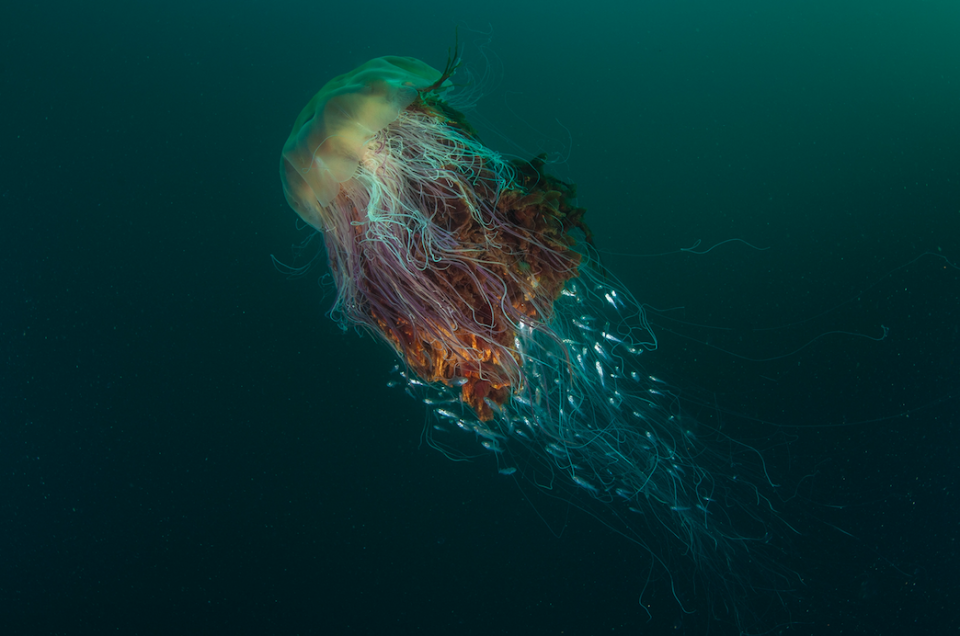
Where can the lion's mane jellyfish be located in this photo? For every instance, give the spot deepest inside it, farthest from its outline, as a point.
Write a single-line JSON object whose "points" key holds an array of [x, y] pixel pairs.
{"points": [[479, 273]]}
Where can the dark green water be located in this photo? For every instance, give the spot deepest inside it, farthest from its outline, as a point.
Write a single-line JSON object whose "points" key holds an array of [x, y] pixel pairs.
{"points": [[187, 445]]}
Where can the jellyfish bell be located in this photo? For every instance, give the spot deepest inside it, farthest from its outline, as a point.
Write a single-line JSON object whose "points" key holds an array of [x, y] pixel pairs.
{"points": [[331, 134]]}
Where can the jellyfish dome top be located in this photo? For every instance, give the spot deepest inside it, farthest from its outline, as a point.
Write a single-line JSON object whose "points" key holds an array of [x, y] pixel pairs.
{"points": [[479, 272]]}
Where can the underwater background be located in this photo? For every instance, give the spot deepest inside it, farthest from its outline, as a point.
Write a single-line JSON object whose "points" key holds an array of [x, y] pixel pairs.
{"points": [[189, 445]]}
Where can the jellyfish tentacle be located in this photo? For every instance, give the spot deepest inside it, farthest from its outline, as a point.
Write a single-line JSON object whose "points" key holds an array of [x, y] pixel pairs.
{"points": [[453, 63]]}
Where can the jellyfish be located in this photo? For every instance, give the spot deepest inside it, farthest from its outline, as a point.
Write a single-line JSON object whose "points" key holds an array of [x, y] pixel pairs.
{"points": [[480, 273]]}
